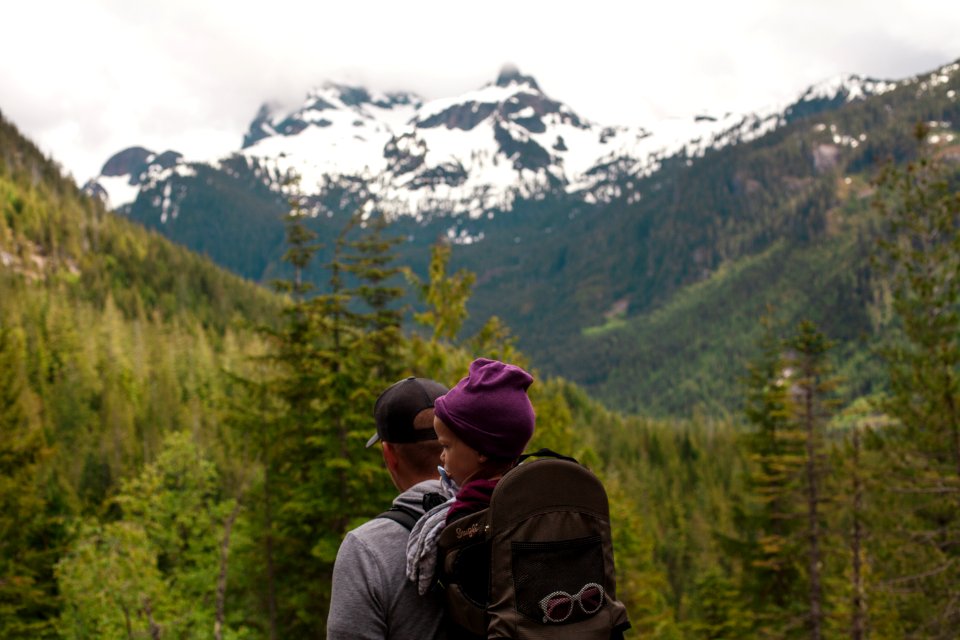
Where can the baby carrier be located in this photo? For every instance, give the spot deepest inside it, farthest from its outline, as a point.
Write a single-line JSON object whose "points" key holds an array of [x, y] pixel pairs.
{"points": [[538, 562]]}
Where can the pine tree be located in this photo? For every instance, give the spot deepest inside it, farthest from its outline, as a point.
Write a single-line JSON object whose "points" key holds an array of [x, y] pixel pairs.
{"points": [[290, 520], [859, 617], [769, 521], [28, 531], [369, 262], [445, 295], [921, 255], [252, 416], [812, 389], [720, 613], [333, 353]]}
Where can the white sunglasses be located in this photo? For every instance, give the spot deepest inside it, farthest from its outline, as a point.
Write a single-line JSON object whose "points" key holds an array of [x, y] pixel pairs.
{"points": [[558, 606]]}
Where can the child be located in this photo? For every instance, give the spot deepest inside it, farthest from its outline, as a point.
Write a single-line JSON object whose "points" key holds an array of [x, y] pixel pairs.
{"points": [[483, 425]]}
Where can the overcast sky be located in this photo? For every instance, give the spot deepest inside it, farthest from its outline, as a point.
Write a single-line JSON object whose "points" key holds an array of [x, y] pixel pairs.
{"points": [[87, 78]]}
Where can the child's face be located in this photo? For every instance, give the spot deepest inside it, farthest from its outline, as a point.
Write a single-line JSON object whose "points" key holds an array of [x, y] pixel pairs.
{"points": [[459, 459]]}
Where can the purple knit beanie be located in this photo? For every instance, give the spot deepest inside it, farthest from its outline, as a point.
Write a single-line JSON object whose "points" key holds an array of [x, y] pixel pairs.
{"points": [[489, 409]]}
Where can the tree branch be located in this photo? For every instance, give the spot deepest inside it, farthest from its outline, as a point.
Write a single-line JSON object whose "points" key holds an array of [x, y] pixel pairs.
{"points": [[921, 576]]}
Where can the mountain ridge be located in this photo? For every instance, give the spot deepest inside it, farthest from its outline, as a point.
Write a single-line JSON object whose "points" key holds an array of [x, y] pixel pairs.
{"points": [[476, 152]]}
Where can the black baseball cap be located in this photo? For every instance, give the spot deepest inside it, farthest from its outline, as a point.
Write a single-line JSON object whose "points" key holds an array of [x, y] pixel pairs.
{"points": [[399, 405]]}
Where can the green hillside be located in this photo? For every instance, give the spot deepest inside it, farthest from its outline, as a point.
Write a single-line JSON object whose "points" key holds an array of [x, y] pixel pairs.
{"points": [[653, 306], [111, 338], [51, 232]]}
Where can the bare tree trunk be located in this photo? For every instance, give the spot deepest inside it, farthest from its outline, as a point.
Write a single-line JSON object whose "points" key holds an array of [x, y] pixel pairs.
{"points": [[154, 627], [813, 521], [340, 522], [222, 577], [126, 619], [858, 623], [271, 578], [954, 427]]}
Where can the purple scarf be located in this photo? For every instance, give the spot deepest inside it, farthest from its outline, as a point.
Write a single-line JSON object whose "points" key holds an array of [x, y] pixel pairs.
{"points": [[472, 497]]}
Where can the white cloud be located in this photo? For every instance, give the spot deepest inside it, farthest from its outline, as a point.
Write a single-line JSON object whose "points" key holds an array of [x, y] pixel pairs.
{"points": [[85, 80]]}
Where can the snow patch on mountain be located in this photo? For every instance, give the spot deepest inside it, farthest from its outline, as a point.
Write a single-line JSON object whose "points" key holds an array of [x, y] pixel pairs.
{"points": [[130, 171], [847, 86], [117, 191]]}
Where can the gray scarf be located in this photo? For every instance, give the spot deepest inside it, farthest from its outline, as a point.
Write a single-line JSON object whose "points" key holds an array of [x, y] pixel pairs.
{"points": [[422, 543]]}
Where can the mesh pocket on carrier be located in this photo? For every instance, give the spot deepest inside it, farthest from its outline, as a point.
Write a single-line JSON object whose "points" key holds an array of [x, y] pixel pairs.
{"points": [[541, 568]]}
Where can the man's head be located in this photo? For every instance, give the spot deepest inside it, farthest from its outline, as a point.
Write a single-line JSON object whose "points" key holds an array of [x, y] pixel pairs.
{"points": [[404, 417]]}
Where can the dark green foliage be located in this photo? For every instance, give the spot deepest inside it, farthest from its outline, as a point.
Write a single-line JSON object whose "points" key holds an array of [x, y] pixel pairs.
{"points": [[330, 357], [921, 251], [153, 570], [229, 216], [812, 389], [27, 597], [719, 609], [782, 523], [300, 244], [770, 519]]}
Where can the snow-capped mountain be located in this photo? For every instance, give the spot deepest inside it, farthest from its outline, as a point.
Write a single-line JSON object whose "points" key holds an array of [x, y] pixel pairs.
{"points": [[473, 154], [126, 172]]}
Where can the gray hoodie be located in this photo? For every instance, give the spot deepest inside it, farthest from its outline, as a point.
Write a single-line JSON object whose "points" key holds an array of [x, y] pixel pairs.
{"points": [[372, 598]]}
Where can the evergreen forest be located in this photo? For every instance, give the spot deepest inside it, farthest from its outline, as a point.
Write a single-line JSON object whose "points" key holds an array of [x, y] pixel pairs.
{"points": [[182, 450], [644, 297]]}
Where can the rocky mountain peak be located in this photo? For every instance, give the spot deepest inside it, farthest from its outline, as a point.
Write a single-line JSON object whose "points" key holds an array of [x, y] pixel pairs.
{"points": [[834, 92], [126, 162], [510, 75], [135, 161]]}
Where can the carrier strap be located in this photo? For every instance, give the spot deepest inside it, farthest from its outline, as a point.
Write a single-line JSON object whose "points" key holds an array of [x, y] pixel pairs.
{"points": [[404, 516]]}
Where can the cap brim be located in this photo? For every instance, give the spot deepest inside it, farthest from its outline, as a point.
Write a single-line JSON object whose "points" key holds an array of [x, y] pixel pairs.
{"points": [[373, 440]]}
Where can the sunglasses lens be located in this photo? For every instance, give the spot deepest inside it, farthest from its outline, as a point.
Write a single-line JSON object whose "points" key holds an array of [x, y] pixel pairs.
{"points": [[558, 609], [591, 599]]}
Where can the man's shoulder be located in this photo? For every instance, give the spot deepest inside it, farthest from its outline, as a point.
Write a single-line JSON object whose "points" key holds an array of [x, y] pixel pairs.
{"points": [[379, 528], [378, 543], [375, 528]]}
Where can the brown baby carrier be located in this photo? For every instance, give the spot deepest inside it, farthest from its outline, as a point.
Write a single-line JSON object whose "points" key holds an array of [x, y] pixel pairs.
{"points": [[538, 562]]}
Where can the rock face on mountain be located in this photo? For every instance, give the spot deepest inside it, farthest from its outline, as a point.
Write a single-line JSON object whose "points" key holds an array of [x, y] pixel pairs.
{"points": [[137, 163]]}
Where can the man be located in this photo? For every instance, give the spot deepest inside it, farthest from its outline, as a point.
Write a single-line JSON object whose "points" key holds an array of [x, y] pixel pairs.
{"points": [[371, 596]]}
